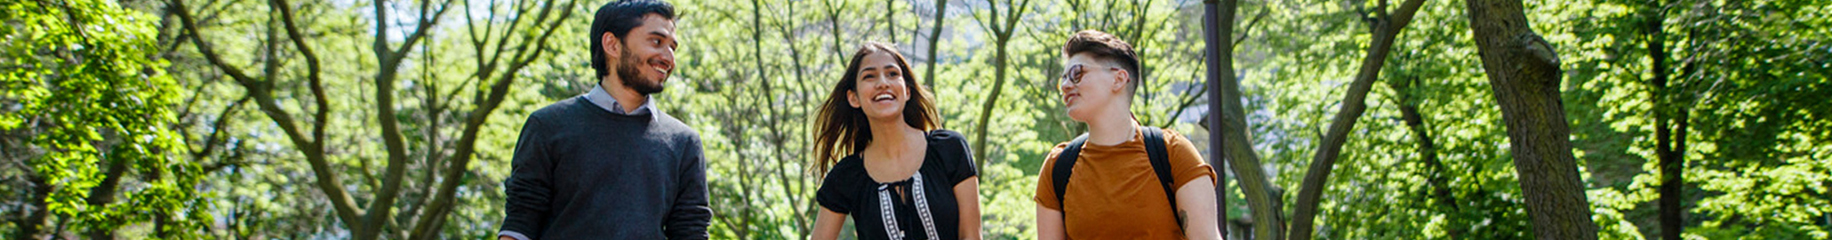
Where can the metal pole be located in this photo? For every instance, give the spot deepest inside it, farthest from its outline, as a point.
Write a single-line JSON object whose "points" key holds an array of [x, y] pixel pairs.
{"points": [[1217, 151]]}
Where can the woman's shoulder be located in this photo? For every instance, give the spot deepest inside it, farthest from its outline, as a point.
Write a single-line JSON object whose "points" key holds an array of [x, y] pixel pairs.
{"points": [[956, 157], [846, 165], [949, 141], [848, 168], [944, 135]]}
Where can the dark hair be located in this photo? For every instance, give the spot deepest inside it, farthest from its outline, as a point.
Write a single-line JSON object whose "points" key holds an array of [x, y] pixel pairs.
{"points": [[1103, 46], [618, 18], [842, 130]]}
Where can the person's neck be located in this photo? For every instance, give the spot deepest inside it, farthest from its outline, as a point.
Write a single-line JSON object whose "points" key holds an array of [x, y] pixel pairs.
{"points": [[1112, 128], [627, 98], [892, 137]]}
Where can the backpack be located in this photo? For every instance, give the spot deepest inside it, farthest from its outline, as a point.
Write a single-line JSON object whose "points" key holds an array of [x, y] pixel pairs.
{"points": [[1154, 148]]}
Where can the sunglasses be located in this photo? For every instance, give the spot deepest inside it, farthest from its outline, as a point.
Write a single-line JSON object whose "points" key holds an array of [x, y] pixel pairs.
{"points": [[1073, 75]]}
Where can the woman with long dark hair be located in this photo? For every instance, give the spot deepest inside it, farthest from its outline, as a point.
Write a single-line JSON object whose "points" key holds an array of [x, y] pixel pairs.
{"points": [[887, 163]]}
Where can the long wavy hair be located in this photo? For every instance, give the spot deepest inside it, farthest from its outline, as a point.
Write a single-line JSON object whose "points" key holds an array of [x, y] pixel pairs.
{"points": [[842, 130]]}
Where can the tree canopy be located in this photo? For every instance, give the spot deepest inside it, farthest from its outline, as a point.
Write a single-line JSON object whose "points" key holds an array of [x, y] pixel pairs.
{"points": [[1341, 119]]}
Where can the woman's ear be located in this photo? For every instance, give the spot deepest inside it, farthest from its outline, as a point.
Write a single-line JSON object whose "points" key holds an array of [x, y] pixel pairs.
{"points": [[613, 48], [852, 98]]}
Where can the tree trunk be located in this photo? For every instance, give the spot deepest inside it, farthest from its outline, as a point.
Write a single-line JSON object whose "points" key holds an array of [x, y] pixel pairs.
{"points": [[992, 102], [1524, 72], [941, 11], [104, 193], [1428, 152], [1002, 27], [1229, 128], [1386, 29], [833, 28], [31, 219], [890, 19], [1671, 157]]}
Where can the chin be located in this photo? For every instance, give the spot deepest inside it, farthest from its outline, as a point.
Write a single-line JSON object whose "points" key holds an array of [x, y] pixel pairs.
{"points": [[885, 114], [1077, 114]]}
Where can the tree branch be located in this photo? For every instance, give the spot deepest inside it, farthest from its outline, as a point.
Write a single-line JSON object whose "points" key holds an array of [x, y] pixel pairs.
{"points": [[312, 148], [430, 222], [216, 129], [1353, 104]]}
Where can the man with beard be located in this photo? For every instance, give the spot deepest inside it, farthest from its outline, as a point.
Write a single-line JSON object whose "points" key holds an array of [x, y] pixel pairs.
{"points": [[608, 165]]}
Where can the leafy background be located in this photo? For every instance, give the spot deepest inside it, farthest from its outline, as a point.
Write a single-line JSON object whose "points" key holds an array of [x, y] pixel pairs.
{"points": [[396, 119]]}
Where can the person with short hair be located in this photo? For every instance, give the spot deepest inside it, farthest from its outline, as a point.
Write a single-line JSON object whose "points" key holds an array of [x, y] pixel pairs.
{"points": [[608, 164], [1120, 180]]}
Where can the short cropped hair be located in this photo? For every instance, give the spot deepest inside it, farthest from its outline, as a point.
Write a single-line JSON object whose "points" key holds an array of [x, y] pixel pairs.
{"points": [[1104, 46]]}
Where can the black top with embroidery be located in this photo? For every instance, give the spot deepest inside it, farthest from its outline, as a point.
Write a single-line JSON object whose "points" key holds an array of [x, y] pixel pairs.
{"points": [[896, 210]]}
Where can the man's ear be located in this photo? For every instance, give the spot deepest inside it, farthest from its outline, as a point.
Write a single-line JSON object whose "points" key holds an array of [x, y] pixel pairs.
{"points": [[1121, 79], [613, 47], [852, 98]]}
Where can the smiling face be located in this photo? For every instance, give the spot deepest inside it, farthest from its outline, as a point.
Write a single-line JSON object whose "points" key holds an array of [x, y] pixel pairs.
{"points": [[645, 57], [1100, 86], [881, 91]]}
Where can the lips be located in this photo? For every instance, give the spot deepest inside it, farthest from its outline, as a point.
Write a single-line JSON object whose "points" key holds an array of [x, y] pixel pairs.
{"points": [[658, 66], [883, 97], [1070, 98]]}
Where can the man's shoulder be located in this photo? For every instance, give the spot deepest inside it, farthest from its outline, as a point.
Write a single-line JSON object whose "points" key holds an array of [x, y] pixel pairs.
{"points": [[673, 126], [564, 108]]}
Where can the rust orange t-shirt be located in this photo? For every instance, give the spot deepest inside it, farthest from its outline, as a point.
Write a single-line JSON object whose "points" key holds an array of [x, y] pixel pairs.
{"points": [[1114, 194]]}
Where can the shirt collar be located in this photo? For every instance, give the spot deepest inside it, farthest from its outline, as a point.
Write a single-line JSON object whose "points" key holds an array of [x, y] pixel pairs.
{"points": [[604, 100]]}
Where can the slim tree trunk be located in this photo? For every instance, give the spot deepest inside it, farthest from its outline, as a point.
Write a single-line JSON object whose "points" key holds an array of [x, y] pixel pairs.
{"points": [[1524, 72], [1428, 152], [1229, 128], [941, 12], [778, 140], [104, 193], [1386, 29], [1671, 157], [31, 219], [992, 102], [1002, 26], [833, 28], [890, 19]]}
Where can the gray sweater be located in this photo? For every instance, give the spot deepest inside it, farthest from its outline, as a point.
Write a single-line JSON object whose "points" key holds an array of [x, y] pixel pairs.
{"points": [[580, 172]]}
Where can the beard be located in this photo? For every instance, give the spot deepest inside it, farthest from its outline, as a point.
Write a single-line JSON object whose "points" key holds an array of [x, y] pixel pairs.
{"points": [[627, 70]]}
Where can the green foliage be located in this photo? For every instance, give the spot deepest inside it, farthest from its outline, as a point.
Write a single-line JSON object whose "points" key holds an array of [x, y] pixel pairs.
{"points": [[1753, 77], [85, 106], [90, 83]]}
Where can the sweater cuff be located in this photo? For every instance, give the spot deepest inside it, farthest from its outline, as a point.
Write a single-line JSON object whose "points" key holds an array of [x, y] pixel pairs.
{"points": [[513, 234]]}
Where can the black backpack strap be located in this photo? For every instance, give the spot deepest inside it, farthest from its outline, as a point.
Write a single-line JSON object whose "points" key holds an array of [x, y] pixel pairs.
{"points": [[1065, 165], [1160, 163]]}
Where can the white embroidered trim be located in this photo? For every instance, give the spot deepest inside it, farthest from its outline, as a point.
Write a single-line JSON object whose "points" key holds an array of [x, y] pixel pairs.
{"points": [[890, 217], [922, 208]]}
